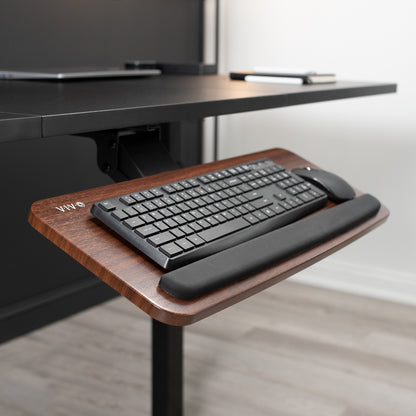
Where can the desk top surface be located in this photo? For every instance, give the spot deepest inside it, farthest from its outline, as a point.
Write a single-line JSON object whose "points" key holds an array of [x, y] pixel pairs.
{"points": [[19, 126], [134, 276], [76, 107]]}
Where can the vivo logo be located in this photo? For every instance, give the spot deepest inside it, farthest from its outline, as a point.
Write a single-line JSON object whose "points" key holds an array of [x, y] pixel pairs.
{"points": [[70, 207]]}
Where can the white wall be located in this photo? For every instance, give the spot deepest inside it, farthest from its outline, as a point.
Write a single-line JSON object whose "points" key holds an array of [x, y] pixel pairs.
{"points": [[371, 141]]}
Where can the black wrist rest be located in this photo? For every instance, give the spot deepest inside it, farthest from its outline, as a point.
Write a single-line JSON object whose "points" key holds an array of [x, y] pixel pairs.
{"points": [[250, 257]]}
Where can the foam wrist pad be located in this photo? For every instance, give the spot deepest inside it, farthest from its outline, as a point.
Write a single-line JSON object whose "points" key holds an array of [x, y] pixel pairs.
{"points": [[250, 257]]}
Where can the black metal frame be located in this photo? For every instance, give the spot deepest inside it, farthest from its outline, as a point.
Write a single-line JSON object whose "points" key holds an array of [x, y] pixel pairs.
{"points": [[133, 153], [167, 369], [147, 150]]}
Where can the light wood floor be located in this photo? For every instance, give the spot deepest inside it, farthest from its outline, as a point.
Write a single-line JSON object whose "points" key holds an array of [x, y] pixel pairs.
{"points": [[291, 350]]}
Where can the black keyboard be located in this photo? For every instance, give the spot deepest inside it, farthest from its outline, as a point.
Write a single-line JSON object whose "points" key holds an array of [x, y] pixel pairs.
{"points": [[181, 222]]}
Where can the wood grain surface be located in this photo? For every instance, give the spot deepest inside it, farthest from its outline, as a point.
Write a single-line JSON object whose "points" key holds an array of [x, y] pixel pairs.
{"points": [[136, 277]]}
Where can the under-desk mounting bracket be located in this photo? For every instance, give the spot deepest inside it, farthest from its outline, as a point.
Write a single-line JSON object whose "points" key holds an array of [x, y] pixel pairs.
{"points": [[132, 153]]}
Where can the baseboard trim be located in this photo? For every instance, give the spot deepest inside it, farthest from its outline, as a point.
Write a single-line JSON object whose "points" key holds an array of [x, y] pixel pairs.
{"points": [[386, 284], [33, 313]]}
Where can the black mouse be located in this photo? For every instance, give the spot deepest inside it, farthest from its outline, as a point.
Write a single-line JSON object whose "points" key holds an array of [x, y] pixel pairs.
{"points": [[337, 189]]}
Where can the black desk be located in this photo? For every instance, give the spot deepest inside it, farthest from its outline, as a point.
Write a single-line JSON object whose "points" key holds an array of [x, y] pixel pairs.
{"points": [[30, 109], [19, 126], [85, 106]]}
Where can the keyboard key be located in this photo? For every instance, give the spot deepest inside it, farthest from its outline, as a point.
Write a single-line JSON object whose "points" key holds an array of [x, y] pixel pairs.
{"points": [[157, 215], [140, 208], [207, 199], [282, 185], [177, 233], [242, 210], [251, 219], [186, 229], [175, 210], [160, 239], [292, 202], [169, 189], [230, 192], [107, 206], [201, 191], [204, 224], [179, 219], [185, 195], [215, 197], [225, 173], [157, 192], [223, 229], [270, 213], [260, 215], [119, 215], [178, 187], [159, 203], [220, 218], [196, 214], [235, 212], [166, 212], [196, 240], [195, 226], [185, 184], [298, 201], [170, 223], [171, 249], [212, 221], [167, 200], [261, 203], [133, 223], [147, 195], [242, 199], [183, 207], [185, 244], [138, 197], [228, 204], [147, 218], [204, 180], [278, 209], [147, 231], [245, 187], [176, 198], [249, 207], [188, 217], [280, 195], [127, 200], [316, 194], [204, 212], [285, 205], [192, 204], [194, 194], [130, 211], [306, 197], [193, 182], [233, 181], [213, 209], [150, 205], [161, 225], [252, 195], [220, 206], [227, 215]]}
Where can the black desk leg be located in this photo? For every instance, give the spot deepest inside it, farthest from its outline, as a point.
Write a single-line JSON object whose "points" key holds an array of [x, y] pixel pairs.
{"points": [[167, 370]]}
